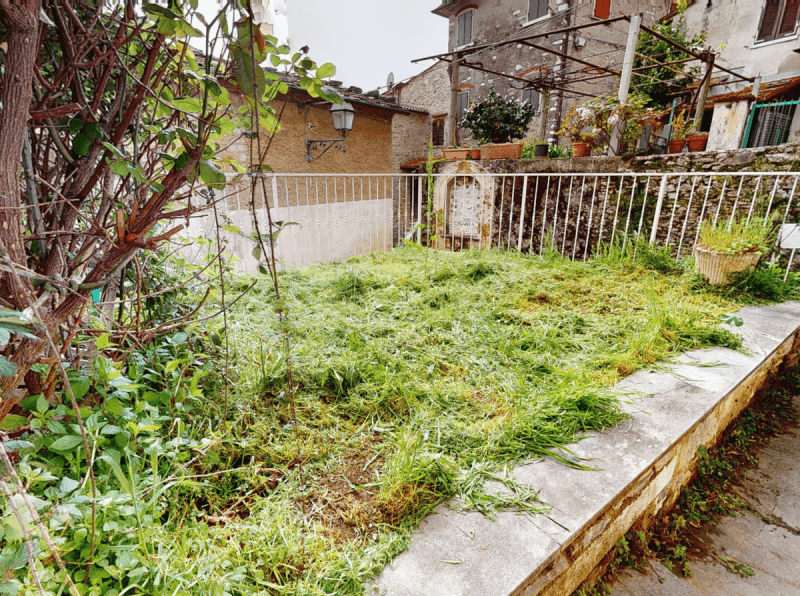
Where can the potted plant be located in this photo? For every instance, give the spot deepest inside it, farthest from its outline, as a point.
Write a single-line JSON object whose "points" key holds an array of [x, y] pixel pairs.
{"points": [[600, 118], [540, 149], [495, 122], [577, 120], [680, 127], [730, 246], [696, 140]]}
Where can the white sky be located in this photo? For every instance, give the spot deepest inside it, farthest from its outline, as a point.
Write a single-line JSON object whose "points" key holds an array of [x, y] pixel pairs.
{"points": [[368, 39]]}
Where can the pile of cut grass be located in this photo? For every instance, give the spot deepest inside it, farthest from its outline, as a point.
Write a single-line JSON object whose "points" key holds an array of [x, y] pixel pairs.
{"points": [[421, 375]]}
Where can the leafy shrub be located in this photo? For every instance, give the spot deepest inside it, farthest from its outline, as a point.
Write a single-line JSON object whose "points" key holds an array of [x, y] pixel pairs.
{"points": [[497, 119]]}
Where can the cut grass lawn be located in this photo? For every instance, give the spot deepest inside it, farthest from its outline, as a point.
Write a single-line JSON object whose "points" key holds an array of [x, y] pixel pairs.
{"points": [[421, 375]]}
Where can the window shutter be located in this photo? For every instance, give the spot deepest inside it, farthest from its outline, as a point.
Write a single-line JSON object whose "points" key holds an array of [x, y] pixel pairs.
{"points": [[772, 10], [438, 132], [602, 9], [462, 104], [532, 97], [789, 19], [464, 28], [536, 9]]}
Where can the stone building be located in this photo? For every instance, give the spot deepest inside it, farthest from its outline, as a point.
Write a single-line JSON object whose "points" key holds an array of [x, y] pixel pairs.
{"points": [[429, 91], [758, 38], [340, 202], [492, 41]]}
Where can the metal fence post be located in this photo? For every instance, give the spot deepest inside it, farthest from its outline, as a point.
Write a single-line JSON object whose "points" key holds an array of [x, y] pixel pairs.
{"points": [[661, 194]]}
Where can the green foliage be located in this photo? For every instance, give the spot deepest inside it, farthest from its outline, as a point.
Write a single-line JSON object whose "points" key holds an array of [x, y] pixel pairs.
{"points": [[756, 285], [12, 323], [556, 151], [661, 83], [737, 236], [497, 119], [595, 121], [142, 440], [639, 251]]}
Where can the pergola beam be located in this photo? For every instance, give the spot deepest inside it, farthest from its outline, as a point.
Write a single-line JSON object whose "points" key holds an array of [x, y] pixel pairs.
{"points": [[693, 53], [509, 41]]}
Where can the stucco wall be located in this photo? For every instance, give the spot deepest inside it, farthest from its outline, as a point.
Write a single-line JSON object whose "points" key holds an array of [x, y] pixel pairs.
{"points": [[369, 144], [732, 25]]}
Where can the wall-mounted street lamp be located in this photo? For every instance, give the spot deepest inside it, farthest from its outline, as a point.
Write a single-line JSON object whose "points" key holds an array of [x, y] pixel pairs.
{"points": [[342, 115]]}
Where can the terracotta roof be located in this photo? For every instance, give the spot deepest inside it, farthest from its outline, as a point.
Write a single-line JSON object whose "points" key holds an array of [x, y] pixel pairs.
{"points": [[766, 92], [416, 163]]}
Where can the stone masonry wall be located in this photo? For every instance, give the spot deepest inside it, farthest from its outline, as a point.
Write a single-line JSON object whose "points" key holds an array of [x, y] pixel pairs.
{"points": [[410, 135], [603, 45], [430, 90], [571, 214]]}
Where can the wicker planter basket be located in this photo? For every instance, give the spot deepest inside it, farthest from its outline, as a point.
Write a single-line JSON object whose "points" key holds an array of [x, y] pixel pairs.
{"points": [[715, 266], [501, 151]]}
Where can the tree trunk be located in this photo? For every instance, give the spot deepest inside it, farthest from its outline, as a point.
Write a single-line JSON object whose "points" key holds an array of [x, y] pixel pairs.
{"points": [[16, 91]]}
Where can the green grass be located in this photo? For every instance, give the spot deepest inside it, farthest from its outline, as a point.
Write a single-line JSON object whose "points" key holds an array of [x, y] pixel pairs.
{"points": [[421, 375]]}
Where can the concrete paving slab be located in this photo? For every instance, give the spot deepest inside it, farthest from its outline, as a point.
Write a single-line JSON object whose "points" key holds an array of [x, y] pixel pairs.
{"points": [[656, 580], [766, 540]]}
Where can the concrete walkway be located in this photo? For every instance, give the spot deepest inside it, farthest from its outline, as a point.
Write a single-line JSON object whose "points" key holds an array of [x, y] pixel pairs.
{"points": [[767, 542]]}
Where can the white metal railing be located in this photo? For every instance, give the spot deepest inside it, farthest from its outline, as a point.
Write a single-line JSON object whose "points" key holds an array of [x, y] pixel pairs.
{"points": [[336, 216]]}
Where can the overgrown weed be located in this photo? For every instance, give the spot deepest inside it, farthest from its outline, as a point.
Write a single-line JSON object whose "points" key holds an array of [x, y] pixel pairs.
{"points": [[421, 376]]}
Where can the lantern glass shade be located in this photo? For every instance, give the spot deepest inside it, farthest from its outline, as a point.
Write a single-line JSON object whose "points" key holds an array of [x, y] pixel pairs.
{"points": [[343, 115]]}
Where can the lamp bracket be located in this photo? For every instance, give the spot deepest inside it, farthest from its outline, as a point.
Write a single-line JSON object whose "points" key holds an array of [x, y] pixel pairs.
{"points": [[321, 146]]}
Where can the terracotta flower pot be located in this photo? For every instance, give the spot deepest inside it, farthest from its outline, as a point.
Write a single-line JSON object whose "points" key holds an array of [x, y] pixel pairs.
{"points": [[581, 149], [455, 154], [715, 266], [501, 151], [697, 142], [676, 145], [475, 153]]}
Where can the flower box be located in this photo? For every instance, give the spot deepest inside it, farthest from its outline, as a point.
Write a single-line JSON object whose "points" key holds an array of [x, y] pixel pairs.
{"points": [[456, 154], [501, 151]]}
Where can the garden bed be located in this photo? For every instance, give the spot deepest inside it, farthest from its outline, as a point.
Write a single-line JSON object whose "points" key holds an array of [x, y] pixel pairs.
{"points": [[420, 376], [423, 374]]}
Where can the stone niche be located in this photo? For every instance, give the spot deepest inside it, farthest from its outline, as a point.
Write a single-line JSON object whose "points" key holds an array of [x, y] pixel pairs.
{"points": [[463, 199]]}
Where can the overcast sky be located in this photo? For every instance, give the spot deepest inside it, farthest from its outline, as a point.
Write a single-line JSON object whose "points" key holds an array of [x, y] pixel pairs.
{"points": [[368, 39]]}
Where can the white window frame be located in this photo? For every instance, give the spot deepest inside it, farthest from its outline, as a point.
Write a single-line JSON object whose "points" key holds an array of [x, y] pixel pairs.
{"points": [[538, 19]]}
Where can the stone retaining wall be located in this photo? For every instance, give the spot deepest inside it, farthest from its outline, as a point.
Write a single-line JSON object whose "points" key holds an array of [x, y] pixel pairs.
{"points": [[573, 213]]}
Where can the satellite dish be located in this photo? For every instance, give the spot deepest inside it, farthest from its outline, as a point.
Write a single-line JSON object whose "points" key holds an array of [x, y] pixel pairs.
{"points": [[390, 81]]}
